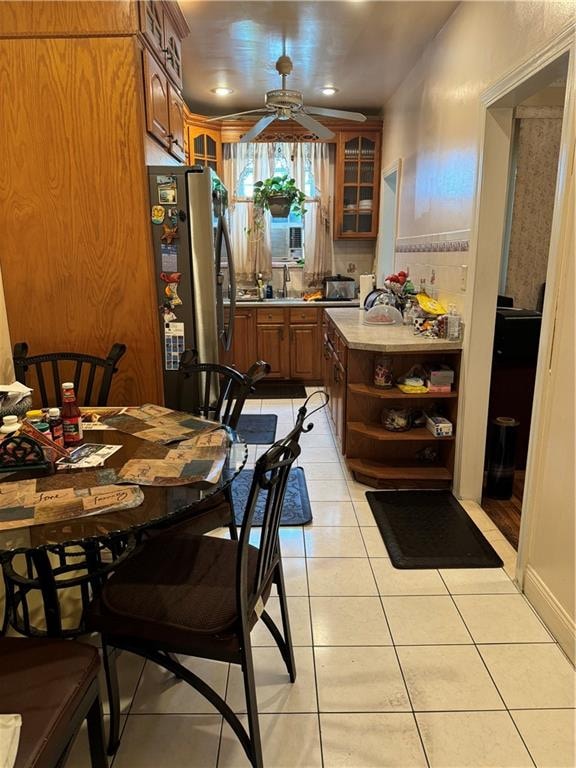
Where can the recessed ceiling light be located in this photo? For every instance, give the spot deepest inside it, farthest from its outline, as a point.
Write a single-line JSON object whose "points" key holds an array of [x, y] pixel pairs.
{"points": [[222, 91], [329, 90]]}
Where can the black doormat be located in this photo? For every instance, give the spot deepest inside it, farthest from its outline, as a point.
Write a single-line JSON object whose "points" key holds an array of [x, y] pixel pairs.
{"points": [[257, 428], [296, 509], [281, 390], [429, 529]]}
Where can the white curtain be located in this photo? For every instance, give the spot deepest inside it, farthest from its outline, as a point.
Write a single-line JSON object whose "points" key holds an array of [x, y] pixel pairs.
{"points": [[250, 239], [315, 158], [250, 243]]}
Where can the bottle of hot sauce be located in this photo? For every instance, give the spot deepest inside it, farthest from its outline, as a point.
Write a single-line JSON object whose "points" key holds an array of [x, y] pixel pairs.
{"points": [[71, 417]]}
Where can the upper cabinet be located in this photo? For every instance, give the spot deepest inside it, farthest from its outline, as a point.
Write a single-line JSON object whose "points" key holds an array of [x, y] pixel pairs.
{"points": [[204, 143], [357, 184], [163, 27], [157, 100]]}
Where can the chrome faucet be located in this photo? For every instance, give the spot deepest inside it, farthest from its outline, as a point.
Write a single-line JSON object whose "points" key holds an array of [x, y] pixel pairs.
{"points": [[285, 281]]}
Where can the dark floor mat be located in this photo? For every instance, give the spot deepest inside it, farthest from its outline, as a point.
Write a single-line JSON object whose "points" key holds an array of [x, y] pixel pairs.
{"points": [[257, 428], [296, 509], [271, 390], [429, 529]]}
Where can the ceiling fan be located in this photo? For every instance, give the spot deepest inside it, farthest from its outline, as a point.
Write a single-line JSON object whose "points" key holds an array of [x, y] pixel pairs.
{"points": [[283, 104]]}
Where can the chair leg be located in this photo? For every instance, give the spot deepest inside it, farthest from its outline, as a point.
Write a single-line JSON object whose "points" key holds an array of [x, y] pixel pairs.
{"points": [[95, 725], [252, 705], [111, 674], [232, 524], [289, 655]]}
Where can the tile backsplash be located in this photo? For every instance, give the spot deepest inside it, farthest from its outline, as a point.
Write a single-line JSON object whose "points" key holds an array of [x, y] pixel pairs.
{"points": [[353, 258]]}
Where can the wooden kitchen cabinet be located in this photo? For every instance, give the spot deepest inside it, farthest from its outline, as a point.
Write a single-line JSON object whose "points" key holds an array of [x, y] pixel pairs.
{"points": [[411, 459], [204, 144], [172, 51], [334, 375], [157, 100], [289, 339], [176, 123], [272, 343], [162, 28], [305, 360], [163, 32], [357, 184], [242, 354]]}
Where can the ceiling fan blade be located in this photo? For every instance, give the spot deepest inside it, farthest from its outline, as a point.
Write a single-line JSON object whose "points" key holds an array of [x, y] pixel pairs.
{"points": [[235, 114], [341, 113], [313, 125], [258, 128]]}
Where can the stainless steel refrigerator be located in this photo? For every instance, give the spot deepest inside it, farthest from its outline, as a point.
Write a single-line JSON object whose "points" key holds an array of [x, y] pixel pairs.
{"points": [[194, 266]]}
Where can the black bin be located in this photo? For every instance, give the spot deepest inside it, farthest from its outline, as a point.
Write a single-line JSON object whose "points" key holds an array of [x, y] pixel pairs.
{"points": [[501, 453]]}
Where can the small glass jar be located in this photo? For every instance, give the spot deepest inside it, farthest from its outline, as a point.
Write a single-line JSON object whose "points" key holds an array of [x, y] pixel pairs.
{"points": [[383, 371]]}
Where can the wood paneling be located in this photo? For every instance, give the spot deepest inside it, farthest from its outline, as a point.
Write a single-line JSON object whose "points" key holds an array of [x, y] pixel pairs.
{"points": [[157, 103], [75, 251], [67, 17]]}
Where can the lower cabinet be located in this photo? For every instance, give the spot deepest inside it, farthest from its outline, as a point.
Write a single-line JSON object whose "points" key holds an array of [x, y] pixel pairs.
{"points": [[272, 343], [289, 340], [305, 360], [334, 375], [242, 354]]}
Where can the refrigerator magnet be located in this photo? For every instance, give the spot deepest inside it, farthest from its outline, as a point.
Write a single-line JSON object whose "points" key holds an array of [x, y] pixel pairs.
{"points": [[167, 190], [171, 290], [167, 312], [169, 234], [169, 257], [157, 214], [173, 345]]}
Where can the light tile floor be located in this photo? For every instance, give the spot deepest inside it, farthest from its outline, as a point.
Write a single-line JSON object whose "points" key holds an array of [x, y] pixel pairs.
{"points": [[445, 669]]}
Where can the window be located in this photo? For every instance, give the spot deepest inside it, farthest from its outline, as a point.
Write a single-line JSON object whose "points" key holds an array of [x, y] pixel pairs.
{"points": [[286, 235]]}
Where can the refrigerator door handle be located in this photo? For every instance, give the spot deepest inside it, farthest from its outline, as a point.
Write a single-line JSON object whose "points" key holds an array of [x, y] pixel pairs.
{"points": [[228, 333], [219, 281]]}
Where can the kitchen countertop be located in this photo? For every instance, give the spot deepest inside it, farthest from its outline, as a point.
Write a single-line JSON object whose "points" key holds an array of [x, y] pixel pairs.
{"points": [[383, 338], [294, 303]]}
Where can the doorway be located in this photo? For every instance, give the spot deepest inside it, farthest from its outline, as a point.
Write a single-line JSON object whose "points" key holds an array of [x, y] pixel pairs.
{"points": [[388, 224], [535, 149]]}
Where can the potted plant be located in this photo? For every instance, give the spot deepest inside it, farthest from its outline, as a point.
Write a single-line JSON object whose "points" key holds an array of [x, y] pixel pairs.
{"points": [[279, 195]]}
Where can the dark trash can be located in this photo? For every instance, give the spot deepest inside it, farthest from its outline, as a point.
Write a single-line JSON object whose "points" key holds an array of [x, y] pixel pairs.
{"points": [[501, 462]]}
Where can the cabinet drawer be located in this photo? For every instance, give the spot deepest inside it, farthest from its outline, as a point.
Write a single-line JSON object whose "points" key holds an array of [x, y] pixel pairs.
{"points": [[273, 315], [308, 315]]}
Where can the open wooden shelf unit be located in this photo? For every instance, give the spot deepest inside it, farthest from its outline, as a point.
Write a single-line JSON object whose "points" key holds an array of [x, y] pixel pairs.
{"points": [[411, 459]]}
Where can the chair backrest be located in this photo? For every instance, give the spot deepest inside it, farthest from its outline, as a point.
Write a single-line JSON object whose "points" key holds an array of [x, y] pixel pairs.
{"points": [[216, 392], [92, 376], [35, 578], [270, 478]]}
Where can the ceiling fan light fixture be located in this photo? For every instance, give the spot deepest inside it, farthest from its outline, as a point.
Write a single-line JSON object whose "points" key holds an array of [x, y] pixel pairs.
{"points": [[329, 90], [221, 90]]}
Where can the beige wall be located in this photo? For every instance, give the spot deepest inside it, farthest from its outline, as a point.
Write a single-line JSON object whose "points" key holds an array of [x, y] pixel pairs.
{"points": [[6, 368], [433, 120]]}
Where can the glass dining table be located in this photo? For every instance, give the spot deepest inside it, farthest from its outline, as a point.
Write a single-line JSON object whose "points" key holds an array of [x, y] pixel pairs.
{"points": [[52, 569]]}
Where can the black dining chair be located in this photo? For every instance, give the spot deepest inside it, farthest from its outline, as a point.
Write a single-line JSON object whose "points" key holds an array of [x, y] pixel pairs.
{"points": [[201, 596], [92, 376], [215, 392]]}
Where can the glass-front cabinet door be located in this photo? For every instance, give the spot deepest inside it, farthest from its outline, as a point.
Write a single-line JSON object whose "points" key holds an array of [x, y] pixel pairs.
{"points": [[358, 171], [205, 148]]}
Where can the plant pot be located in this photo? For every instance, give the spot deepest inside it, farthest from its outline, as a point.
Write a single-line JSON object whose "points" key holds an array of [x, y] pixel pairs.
{"points": [[279, 206]]}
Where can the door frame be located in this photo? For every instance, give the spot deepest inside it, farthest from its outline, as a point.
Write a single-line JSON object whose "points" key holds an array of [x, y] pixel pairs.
{"points": [[395, 167], [497, 103]]}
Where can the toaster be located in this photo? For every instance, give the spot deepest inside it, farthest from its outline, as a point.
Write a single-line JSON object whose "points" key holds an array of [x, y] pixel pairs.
{"points": [[338, 288]]}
